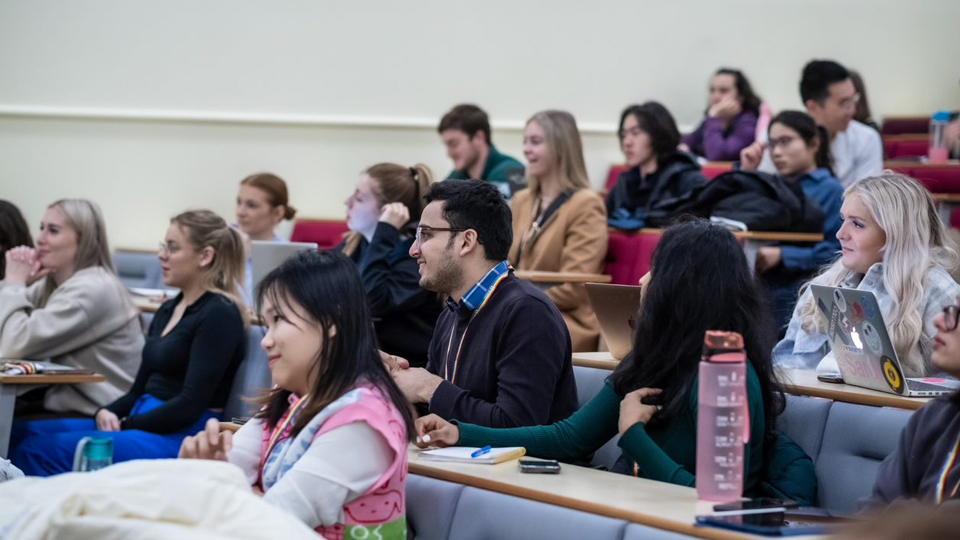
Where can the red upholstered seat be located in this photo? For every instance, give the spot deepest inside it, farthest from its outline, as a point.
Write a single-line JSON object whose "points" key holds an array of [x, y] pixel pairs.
{"points": [[326, 233], [714, 169], [628, 256], [896, 149], [613, 174], [944, 179], [900, 126]]}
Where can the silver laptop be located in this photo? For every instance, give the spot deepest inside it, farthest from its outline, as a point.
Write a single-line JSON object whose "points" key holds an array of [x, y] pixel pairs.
{"points": [[862, 346], [616, 308], [268, 255]]}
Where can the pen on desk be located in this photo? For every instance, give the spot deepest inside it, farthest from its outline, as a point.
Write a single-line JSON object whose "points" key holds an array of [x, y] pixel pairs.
{"points": [[480, 452]]}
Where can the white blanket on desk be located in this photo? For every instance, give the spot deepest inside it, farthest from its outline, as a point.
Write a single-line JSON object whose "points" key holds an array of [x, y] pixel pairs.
{"points": [[144, 500]]}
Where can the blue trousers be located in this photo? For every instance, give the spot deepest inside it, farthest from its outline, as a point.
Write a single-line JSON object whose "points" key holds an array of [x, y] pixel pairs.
{"points": [[46, 447]]}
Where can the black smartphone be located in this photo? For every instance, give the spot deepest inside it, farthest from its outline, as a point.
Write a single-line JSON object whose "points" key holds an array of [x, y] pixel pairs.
{"points": [[755, 504], [830, 378], [766, 523], [548, 466]]}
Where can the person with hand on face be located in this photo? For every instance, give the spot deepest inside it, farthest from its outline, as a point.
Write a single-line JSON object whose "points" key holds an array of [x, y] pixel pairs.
{"points": [[330, 443], [500, 354], [831, 99], [262, 203], [924, 465], [559, 223], [651, 398], [465, 132], [731, 119], [194, 346], [14, 231], [383, 213], [63, 302], [894, 245], [658, 171], [800, 153]]}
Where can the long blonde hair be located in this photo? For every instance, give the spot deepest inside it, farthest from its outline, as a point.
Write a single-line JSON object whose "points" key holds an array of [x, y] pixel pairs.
{"points": [[203, 229], [86, 219], [563, 139], [916, 242], [394, 183]]}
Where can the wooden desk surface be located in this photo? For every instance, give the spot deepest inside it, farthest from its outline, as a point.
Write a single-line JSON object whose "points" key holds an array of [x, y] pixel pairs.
{"points": [[894, 164], [52, 378], [804, 383], [599, 360], [946, 197], [773, 236], [538, 276], [638, 500], [794, 381]]}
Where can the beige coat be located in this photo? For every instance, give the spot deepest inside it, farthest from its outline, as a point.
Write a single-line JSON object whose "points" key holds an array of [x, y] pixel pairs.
{"points": [[573, 239], [87, 322]]}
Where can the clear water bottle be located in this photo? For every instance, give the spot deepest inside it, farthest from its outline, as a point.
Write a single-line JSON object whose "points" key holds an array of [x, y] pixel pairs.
{"points": [[723, 421], [938, 152], [93, 453]]}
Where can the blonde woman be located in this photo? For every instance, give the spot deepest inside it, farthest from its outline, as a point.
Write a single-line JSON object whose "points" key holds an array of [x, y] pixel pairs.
{"points": [[62, 302], [559, 223], [262, 203], [194, 345], [894, 245]]}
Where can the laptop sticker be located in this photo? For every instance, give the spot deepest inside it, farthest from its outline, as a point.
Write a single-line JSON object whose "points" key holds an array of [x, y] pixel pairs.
{"points": [[823, 307], [839, 300], [891, 373], [871, 337], [857, 312], [868, 307]]}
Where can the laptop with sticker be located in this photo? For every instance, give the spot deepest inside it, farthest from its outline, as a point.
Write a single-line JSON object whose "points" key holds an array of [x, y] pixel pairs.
{"points": [[862, 347], [616, 307]]}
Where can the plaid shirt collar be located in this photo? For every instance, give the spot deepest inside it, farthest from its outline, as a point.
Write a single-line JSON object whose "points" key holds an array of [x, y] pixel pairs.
{"points": [[483, 288]]}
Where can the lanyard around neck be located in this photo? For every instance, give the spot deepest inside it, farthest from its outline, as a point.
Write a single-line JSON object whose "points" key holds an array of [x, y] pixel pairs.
{"points": [[456, 361], [280, 430]]}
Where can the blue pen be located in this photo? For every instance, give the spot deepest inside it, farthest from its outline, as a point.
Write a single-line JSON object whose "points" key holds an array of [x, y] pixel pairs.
{"points": [[480, 452]]}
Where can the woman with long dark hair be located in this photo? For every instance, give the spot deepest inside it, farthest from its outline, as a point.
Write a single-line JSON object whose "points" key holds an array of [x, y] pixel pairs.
{"points": [[336, 427], [698, 281], [801, 153], [13, 231], [730, 123]]}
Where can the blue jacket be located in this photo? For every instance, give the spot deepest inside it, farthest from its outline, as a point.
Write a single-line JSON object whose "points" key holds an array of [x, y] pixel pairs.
{"points": [[823, 188]]}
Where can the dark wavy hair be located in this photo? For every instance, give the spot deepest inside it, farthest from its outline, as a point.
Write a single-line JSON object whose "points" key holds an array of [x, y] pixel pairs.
{"points": [[326, 287], [14, 232], [809, 131], [699, 281], [658, 123], [749, 100]]}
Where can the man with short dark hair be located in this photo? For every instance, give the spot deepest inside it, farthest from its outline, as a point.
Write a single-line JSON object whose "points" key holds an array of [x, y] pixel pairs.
{"points": [[465, 131], [500, 354], [828, 93]]}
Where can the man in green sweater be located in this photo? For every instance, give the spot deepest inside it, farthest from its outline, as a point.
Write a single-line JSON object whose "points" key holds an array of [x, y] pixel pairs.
{"points": [[465, 131]]}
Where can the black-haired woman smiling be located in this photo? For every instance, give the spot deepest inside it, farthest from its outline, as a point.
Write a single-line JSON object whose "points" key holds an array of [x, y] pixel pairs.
{"points": [[698, 281]]}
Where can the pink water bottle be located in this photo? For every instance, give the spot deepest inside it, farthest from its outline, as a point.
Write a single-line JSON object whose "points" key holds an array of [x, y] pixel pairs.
{"points": [[938, 152], [723, 421]]}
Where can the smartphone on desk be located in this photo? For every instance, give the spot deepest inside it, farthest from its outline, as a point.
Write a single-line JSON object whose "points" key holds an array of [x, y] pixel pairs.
{"points": [[774, 523], [830, 378], [756, 504], [548, 466]]}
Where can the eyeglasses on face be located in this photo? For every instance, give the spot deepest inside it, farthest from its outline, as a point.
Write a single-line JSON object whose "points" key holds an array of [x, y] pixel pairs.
{"points": [[950, 316], [424, 233]]}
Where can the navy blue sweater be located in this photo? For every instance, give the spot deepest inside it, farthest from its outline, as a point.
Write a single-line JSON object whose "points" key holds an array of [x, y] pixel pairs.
{"points": [[515, 368]]}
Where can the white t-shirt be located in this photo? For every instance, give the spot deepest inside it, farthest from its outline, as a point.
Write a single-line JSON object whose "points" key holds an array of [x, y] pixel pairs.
{"points": [[855, 153]]}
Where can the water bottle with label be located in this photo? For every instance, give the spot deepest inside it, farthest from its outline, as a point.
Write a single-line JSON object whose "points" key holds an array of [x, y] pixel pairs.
{"points": [[93, 453], [723, 421], [938, 152]]}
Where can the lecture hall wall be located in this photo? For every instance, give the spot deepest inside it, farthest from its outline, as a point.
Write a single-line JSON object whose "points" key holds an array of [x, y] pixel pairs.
{"points": [[152, 107]]}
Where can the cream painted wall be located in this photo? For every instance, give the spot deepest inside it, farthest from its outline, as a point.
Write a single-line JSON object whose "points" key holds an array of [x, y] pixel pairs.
{"points": [[152, 107]]}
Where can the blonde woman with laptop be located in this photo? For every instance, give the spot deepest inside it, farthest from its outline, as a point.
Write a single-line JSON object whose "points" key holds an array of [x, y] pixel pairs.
{"points": [[894, 245], [62, 301]]}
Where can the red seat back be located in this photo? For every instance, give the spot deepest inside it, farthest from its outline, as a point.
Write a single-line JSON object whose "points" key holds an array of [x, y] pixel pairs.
{"points": [[901, 126], [714, 169], [628, 256], [326, 233], [896, 149], [613, 174]]}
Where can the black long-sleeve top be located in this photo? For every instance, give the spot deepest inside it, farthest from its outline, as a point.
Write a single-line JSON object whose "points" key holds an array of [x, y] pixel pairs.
{"points": [[190, 369], [404, 313]]}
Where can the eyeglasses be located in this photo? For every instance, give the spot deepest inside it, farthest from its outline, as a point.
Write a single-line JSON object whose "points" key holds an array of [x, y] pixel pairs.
{"points": [[426, 232], [633, 132], [950, 316], [169, 249], [781, 141], [850, 102]]}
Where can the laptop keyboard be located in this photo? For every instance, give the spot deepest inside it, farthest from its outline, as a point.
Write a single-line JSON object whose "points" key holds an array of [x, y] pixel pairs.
{"points": [[918, 386]]}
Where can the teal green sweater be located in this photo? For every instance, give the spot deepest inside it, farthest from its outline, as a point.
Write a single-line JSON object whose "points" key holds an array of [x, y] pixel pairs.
{"points": [[496, 169], [666, 452]]}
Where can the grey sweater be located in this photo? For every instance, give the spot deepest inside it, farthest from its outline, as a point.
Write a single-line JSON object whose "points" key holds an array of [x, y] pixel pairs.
{"points": [[87, 322]]}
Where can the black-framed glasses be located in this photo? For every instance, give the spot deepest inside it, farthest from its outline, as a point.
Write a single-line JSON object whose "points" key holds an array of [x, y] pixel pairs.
{"points": [[950, 316], [429, 230]]}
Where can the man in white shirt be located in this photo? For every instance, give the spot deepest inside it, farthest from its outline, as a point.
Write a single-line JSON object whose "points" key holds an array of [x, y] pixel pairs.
{"points": [[856, 150]]}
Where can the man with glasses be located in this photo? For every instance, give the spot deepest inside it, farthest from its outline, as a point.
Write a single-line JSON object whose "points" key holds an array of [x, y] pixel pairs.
{"points": [[828, 93], [500, 354]]}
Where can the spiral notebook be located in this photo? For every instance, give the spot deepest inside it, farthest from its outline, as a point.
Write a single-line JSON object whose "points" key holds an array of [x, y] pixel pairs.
{"points": [[461, 454]]}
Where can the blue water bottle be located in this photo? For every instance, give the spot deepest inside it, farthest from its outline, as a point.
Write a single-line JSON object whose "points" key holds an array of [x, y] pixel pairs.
{"points": [[93, 453]]}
